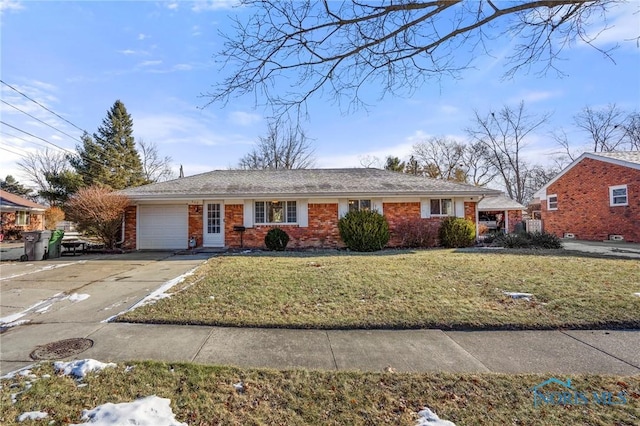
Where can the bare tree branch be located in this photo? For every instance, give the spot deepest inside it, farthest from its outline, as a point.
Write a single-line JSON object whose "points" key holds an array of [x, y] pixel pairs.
{"points": [[604, 126], [334, 49], [282, 148], [155, 167]]}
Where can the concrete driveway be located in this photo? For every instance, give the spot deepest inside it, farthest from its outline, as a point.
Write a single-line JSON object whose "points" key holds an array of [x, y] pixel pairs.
{"points": [[81, 290]]}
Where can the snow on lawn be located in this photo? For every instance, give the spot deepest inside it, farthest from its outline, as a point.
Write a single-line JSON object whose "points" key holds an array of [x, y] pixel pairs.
{"points": [[32, 415], [149, 411], [636, 294], [429, 418], [518, 295], [81, 367], [160, 293]]}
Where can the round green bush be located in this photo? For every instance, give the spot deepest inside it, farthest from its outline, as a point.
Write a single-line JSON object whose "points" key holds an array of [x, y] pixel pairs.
{"points": [[364, 230], [276, 239], [457, 232]]}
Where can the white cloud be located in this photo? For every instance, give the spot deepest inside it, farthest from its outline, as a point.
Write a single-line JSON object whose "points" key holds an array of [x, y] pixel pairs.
{"points": [[533, 96], [209, 5], [142, 36], [127, 52], [173, 6], [195, 31], [149, 63], [622, 26], [10, 5], [183, 67], [242, 118]]}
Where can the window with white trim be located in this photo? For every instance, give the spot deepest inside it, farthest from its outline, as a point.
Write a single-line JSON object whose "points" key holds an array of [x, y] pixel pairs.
{"points": [[441, 207], [357, 205], [22, 218], [552, 202], [618, 196], [275, 212]]}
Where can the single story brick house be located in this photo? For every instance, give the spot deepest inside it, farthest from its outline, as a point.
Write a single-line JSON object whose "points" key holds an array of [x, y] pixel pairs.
{"points": [[19, 214], [597, 197], [307, 204], [500, 213]]}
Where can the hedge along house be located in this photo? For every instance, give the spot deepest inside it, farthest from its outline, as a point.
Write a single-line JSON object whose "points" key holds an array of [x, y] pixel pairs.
{"points": [[211, 207], [597, 197], [19, 214]]}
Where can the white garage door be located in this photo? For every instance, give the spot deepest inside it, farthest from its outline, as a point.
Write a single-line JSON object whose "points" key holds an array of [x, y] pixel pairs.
{"points": [[163, 227]]}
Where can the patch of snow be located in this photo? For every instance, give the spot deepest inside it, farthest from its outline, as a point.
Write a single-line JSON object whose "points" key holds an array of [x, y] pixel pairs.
{"points": [[518, 295], [636, 294], [46, 376], [14, 324], [81, 367], [129, 368], [156, 295], [239, 387], [43, 309], [10, 375], [32, 415], [429, 418], [75, 297], [149, 411], [11, 320], [27, 373], [45, 268]]}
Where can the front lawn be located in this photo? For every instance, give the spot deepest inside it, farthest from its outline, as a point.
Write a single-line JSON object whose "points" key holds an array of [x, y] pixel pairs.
{"points": [[206, 395], [405, 289]]}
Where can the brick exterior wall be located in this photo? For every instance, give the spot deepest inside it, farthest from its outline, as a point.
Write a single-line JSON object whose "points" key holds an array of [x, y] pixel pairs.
{"points": [[322, 231], [130, 223], [195, 224], [583, 202], [9, 227]]}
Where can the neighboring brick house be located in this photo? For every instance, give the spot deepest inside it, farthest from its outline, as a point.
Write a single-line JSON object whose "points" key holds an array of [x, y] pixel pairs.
{"points": [[307, 204], [19, 214], [597, 197]]}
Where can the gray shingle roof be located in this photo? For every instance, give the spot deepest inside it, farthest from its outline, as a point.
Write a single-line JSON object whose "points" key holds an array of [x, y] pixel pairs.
{"points": [[308, 182], [500, 202], [628, 156]]}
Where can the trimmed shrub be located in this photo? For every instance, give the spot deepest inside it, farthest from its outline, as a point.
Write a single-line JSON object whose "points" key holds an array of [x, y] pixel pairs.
{"points": [[364, 230], [417, 233], [52, 216], [545, 240], [512, 241], [457, 232], [276, 239]]}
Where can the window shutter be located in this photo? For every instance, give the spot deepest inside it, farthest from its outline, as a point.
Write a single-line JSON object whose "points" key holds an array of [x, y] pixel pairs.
{"points": [[425, 208], [248, 213], [303, 213], [343, 208], [376, 204], [459, 208]]}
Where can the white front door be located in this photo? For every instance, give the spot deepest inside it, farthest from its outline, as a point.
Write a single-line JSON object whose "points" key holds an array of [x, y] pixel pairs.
{"points": [[213, 224]]}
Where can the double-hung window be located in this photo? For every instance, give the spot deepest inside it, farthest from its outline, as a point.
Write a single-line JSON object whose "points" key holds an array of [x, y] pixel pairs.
{"points": [[618, 196], [276, 212], [552, 202], [357, 205], [22, 218], [442, 207]]}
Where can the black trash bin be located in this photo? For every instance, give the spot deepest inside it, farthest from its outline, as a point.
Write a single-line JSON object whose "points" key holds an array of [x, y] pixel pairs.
{"points": [[55, 244], [36, 244]]}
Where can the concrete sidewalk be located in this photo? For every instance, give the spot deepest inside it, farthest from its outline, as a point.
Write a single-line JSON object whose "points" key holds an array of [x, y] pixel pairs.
{"points": [[557, 352]]}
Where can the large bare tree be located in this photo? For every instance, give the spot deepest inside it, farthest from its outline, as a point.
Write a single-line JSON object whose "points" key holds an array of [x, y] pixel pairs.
{"points": [[283, 52], [604, 126], [40, 164], [155, 167], [282, 148], [503, 135]]}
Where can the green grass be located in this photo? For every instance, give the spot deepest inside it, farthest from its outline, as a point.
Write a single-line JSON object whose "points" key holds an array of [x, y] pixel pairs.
{"points": [[405, 289], [204, 395]]}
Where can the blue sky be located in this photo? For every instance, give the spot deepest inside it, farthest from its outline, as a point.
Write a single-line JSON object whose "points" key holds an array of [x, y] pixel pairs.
{"points": [[77, 58]]}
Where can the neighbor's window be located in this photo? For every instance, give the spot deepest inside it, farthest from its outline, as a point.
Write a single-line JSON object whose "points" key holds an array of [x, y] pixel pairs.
{"points": [[442, 207], [356, 205], [22, 218], [618, 196], [276, 212], [552, 202]]}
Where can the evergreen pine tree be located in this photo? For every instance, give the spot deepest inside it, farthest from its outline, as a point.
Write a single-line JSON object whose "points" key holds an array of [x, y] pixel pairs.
{"points": [[110, 158]]}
